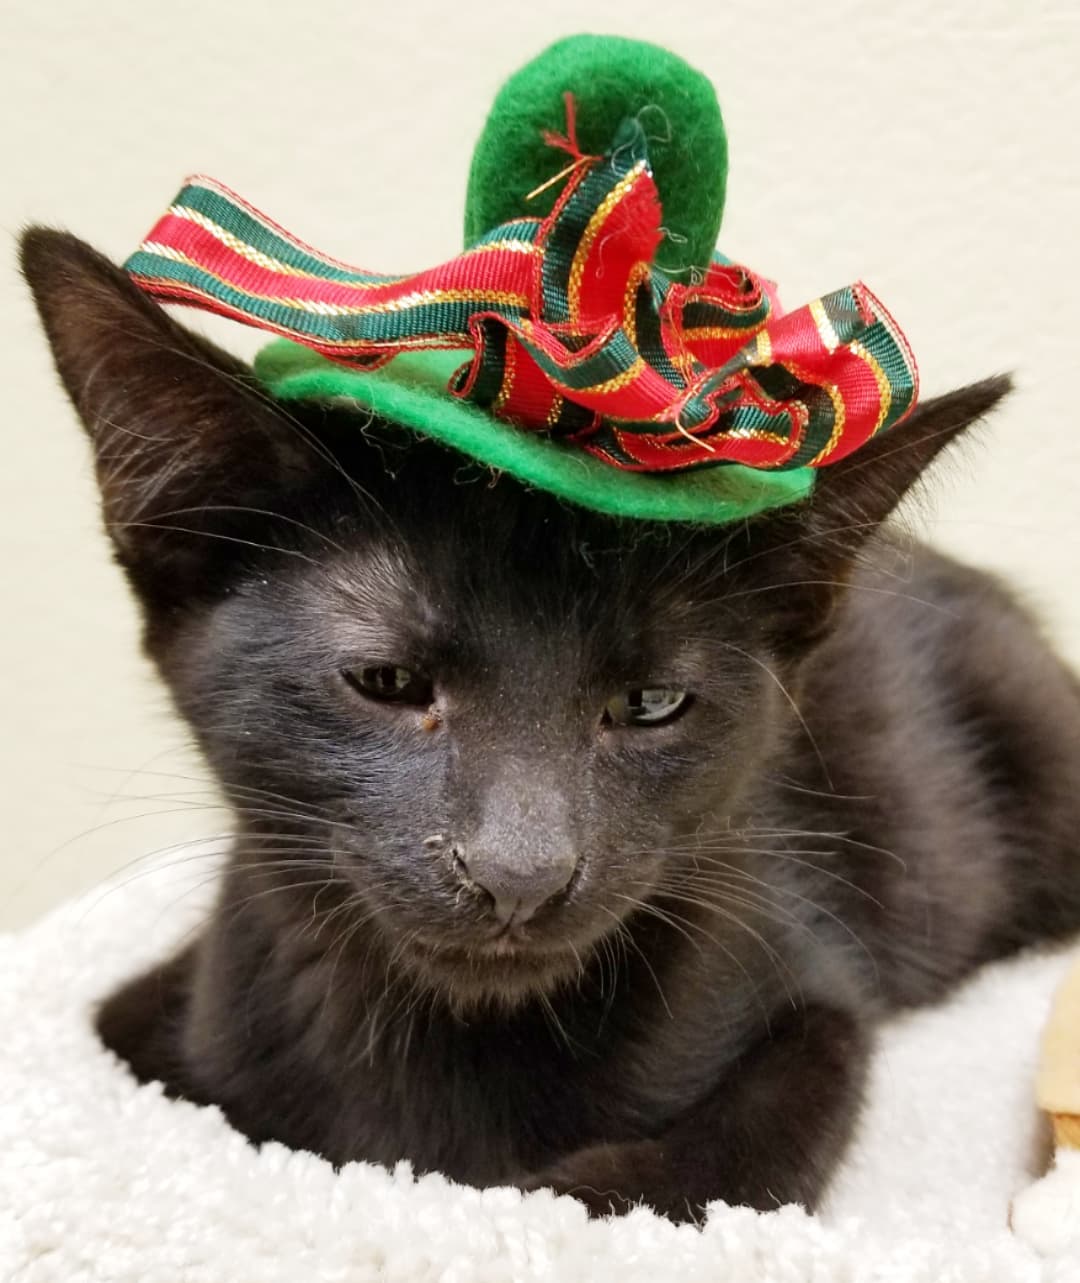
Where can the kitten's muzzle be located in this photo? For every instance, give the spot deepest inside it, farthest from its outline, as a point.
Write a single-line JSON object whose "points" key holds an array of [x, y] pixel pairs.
{"points": [[514, 891]]}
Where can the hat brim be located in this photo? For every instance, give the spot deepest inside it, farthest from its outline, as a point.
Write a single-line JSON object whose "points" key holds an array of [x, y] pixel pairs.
{"points": [[412, 390]]}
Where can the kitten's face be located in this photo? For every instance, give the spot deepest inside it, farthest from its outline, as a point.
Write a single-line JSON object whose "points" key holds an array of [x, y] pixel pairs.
{"points": [[492, 722], [515, 716]]}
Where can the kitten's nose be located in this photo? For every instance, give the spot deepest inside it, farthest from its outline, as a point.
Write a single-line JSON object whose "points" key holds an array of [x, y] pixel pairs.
{"points": [[517, 891]]}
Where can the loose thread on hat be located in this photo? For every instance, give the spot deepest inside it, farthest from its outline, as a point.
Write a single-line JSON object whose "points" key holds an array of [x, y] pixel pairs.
{"points": [[568, 143], [563, 173], [705, 445]]}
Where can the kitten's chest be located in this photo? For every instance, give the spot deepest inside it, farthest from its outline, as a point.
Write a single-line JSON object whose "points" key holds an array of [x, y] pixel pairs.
{"points": [[482, 1108], [487, 1098], [350, 1065], [491, 1101]]}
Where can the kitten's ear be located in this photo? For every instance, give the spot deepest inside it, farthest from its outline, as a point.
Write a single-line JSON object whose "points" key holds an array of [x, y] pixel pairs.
{"points": [[862, 490], [809, 550], [182, 436]]}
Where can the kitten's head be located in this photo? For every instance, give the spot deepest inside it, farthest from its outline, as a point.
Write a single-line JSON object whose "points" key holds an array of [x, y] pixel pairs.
{"points": [[497, 720]]}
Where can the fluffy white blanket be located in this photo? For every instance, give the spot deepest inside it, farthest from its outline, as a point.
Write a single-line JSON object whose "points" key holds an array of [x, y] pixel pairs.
{"points": [[103, 1180]]}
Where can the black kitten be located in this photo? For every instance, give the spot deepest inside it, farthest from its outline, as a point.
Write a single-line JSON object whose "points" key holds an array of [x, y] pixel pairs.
{"points": [[570, 852]]}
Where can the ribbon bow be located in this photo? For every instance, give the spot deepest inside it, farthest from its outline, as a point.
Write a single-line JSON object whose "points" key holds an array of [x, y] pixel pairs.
{"points": [[573, 330]]}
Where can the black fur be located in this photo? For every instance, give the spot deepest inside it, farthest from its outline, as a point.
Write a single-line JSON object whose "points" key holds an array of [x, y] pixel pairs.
{"points": [[871, 791]]}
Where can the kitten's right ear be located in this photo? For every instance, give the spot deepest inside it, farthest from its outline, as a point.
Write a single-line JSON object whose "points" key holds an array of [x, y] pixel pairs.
{"points": [[183, 438]]}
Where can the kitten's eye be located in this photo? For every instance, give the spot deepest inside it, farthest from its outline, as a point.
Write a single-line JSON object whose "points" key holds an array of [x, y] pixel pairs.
{"points": [[645, 706], [391, 684]]}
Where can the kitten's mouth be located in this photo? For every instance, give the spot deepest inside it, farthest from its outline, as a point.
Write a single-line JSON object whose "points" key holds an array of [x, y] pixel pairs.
{"points": [[505, 945], [506, 966], [507, 939], [505, 942]]}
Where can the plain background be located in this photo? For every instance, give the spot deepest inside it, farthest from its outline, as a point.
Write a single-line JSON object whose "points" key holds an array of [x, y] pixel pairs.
{"points": [[928, 148]]}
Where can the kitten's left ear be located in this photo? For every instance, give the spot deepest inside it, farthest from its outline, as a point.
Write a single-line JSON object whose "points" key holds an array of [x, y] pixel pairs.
{"points": [[806, 552], [867, 485], [183, 437]]}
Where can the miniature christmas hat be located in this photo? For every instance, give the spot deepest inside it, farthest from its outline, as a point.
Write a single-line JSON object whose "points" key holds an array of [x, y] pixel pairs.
{"points": [[589, 340]]}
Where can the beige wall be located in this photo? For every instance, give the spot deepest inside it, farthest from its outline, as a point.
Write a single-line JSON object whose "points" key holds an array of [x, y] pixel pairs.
{"points": [[930, 148]]}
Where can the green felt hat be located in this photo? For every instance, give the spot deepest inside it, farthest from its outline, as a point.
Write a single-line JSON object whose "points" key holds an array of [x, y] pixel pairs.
{"points": [[589, 340]]}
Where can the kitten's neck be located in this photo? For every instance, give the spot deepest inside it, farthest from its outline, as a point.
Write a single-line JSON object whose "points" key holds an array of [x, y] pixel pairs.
{"points": [[302, 959]]}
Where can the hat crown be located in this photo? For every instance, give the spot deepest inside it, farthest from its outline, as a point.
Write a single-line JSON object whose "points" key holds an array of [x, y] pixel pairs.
{"points": [[612, 79]]}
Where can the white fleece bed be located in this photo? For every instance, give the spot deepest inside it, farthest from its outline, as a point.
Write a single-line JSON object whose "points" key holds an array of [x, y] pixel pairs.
{"points": [[103, 1180]]}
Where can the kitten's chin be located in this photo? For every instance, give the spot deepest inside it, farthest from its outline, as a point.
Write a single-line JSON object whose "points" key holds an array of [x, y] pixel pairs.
{"points": [[491, 975]]}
